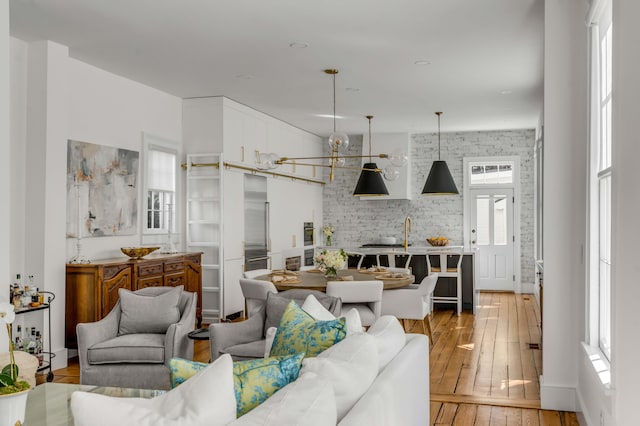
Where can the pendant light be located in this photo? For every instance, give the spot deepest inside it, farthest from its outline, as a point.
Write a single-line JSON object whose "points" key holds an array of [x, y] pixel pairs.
{"points": [[370, 182], [439, 181], [338, 141]]}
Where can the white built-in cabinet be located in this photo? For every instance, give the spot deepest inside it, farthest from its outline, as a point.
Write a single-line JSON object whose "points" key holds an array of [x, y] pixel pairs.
{"points": [[387, 143], [204, 228], [239, 132]]}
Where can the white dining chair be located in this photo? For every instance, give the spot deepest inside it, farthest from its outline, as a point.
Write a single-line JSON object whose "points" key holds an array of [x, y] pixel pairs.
{"points": [[449, 266], [256, 273], [354, 254], [412, 303], [364, 296], [391, 259], [255, 294]]}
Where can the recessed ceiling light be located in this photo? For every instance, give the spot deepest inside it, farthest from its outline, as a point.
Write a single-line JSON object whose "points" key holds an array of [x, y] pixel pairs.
{"points": [[422, 62], [298, 45], [245, 76], [339, 117], [352, 89], [506, 92]]}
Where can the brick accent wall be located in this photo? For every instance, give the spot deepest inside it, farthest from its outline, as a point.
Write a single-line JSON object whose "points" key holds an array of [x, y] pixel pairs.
{"points": [[359, 222]]}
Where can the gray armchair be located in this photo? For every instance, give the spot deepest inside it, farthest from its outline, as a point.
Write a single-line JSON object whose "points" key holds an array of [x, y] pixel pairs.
{"points": [[136, 360], [246, 339]]}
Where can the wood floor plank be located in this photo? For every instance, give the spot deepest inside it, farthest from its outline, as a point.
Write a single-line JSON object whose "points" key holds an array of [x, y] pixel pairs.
{"points": [[514, 416], [530, 417], [570, 418], [498, 416], [434, 410], [465, 415], [447, 414], [515, 380], [483, 415], [550, 418]]}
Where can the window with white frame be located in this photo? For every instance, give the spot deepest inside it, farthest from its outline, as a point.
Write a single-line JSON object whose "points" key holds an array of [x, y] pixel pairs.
{"points": [[600, 170], [160, 186]]}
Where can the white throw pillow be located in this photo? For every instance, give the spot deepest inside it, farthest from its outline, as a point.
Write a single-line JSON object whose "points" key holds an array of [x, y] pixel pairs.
{"points": [[350, 365], [309, 401], [268, 342], [207, 398], [320, 313], [389, 337]]}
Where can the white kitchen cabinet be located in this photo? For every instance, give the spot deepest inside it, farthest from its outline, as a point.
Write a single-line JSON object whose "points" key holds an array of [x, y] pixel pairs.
{"points": [[219, 124], [244, 133], [233, 299], [233, 236], [387, 143]]}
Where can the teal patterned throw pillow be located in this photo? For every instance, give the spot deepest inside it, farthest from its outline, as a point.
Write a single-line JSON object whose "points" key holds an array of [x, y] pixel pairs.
{"points": [[257, 379], [182, 369], [298, 332]]}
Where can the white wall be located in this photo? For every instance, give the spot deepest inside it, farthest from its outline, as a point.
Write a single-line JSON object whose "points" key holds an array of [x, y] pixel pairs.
{"points": [[359, 221], [626, 205], [5, 183], [565, 139], [56, 98]]}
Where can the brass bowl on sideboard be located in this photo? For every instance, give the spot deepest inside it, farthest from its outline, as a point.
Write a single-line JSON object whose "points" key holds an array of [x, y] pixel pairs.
{"points": [[138, 252]]}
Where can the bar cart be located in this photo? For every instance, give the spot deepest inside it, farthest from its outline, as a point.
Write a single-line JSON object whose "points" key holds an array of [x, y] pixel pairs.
{"points": [[47, 355]]}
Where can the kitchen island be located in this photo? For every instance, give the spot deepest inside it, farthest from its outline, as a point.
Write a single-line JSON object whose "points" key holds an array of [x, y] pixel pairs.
{"points": [[418, 265]]}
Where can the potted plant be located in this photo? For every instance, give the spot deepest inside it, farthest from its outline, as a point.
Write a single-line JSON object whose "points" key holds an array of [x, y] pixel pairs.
{"points": [[13, 392]]}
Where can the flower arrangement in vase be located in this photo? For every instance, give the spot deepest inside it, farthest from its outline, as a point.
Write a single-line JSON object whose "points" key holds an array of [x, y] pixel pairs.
{"points": [[329, 261], [327, 230], [13, 392]]}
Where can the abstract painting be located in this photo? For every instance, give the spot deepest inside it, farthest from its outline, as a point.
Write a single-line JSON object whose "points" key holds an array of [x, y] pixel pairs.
{"points": [[102, 190]]}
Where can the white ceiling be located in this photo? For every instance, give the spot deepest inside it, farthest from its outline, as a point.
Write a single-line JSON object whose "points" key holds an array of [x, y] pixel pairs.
{"points": [[485, 56]]}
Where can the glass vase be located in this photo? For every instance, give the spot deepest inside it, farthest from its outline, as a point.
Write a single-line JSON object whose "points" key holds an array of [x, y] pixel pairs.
{"points": [[328, 240], [330, 273]]}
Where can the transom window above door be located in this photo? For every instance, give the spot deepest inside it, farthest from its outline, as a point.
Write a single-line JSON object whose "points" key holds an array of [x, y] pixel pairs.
{"points": [[490, 173]]}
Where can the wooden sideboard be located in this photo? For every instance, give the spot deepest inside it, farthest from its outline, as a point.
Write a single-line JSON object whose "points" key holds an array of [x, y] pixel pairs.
{"points": [[92, 289]]}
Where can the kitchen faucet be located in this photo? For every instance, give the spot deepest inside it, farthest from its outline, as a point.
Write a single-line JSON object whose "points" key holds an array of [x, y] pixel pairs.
{"points": [[407, 225]]}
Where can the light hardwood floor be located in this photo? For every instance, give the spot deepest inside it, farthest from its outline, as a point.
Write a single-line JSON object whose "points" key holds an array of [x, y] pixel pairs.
{"points": [[483, 370]]}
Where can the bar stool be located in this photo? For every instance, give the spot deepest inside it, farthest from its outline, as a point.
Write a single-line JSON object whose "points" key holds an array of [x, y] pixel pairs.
{"points": [[444, 270], [354, 254], [391, 256]]}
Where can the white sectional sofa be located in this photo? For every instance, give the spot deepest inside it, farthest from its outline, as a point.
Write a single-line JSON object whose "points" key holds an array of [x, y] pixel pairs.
{"points": [[378, 378], [399, 394]]}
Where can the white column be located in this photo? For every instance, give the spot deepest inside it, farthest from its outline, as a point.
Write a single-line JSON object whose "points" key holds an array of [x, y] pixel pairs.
{"points": [[625, 272], [565, 147], [5, 184], [45, 174]]}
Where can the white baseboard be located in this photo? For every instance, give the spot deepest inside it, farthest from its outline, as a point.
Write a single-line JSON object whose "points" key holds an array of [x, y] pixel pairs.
{"points": [[60, 359], [527, 288], [557, 397]]}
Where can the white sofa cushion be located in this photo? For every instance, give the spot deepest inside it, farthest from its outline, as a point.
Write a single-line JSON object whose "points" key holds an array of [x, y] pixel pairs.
{"points": [[390, 338], [350, 366], [207, 398], [320, 313], [309, 401]]}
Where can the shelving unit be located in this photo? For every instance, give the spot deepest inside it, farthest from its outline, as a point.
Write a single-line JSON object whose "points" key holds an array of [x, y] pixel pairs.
{"points": [[204, 228], [47, 355]]}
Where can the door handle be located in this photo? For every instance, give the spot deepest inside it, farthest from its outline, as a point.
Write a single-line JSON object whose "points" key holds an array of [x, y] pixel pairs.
{"points": [[473, 241]]}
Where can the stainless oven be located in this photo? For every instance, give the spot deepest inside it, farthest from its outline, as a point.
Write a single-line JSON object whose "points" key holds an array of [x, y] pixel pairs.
{"points": [[308, 234]]}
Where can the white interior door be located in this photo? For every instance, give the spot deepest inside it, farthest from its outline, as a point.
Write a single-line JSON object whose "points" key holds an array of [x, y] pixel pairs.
{"points": [[492, 234]]}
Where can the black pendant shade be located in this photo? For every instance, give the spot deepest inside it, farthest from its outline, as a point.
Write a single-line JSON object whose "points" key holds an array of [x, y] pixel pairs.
{"points": [[440, 181], [370, 182]]}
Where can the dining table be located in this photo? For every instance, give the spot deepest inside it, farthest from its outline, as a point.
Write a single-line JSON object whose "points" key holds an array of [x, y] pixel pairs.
{"points": [[315, 279]]}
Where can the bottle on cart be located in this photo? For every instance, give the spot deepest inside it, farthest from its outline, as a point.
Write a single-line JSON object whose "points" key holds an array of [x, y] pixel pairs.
{"points": [[39, 353], [18, 339]]}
